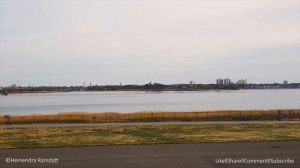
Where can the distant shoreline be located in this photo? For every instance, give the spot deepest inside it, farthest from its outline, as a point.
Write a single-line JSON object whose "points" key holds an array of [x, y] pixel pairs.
{"points": [[147, 87], [137, 90]]}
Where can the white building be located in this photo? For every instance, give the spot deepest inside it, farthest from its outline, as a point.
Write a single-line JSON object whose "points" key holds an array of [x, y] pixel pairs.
{"points": [[241, 82], [192, 82]]}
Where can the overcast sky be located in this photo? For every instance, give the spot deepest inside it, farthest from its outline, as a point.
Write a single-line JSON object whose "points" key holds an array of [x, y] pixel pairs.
{"points": [[68, 42]]}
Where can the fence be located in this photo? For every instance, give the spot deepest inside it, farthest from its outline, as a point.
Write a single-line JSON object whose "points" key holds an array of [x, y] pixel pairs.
{"points": [[246, 115]]}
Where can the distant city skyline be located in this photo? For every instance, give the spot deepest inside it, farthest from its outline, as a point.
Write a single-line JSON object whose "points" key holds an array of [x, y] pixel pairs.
{"points": [[64, 43], [219, 81]]}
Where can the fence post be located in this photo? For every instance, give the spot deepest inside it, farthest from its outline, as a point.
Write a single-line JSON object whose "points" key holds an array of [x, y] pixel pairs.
{"points": [[250, 116], [7, 119], [140, 116], [106, 117], [207, 116], [219, 115], [197, 116]]}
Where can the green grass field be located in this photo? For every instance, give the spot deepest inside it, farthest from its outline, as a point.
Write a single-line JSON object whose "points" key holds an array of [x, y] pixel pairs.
{"points": [[150, 134]]}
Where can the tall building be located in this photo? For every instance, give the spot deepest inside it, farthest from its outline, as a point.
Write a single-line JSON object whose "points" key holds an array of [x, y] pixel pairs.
{"points": [[219, 81], [285, 82], [226, 81]]}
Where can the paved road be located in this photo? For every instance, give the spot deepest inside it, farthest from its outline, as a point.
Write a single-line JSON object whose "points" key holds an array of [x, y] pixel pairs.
{"points": [[202, 155], [141, 123]]}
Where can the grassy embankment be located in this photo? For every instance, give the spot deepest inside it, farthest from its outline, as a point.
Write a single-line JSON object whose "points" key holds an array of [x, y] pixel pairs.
{"points": [[150, 134]]}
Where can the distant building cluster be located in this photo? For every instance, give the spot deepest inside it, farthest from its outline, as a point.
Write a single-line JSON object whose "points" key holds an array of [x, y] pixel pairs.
{"points": [[228, 81], [241, 82], [285, 82]]}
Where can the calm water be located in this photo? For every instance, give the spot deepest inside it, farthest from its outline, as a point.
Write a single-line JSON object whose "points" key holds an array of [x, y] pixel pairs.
{"points": [[132, 101]]}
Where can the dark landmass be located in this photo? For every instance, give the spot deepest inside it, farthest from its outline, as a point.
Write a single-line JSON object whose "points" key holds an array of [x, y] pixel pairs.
{"points": [[147, 87]]}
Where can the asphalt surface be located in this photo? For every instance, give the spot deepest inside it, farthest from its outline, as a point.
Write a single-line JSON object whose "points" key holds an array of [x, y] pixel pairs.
{"points": [[140, 123], [204, 155]]}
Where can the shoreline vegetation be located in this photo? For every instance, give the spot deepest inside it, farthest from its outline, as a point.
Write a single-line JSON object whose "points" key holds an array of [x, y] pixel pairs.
{"points": [[156, 116], [146, 87], [146, 134]]}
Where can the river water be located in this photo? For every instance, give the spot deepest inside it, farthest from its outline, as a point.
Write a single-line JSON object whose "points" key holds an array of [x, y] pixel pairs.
{"points": [[134, 101]]}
